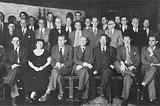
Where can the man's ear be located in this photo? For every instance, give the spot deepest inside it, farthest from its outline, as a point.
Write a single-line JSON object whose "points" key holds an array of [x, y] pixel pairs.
{"points": [[156, 42], [65, 41]]}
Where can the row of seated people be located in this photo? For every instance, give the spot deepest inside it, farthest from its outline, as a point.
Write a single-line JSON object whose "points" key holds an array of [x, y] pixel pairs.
{"points": [[83, 60]]}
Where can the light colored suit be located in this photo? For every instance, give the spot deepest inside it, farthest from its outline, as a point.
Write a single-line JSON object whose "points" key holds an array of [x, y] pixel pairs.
{"points": [[127, 74], [150, 71], [67, 60], [116, 38]]}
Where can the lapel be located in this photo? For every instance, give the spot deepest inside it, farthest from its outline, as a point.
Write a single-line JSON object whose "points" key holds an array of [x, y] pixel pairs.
{"points": [[124, 52], [79, 52], [65, 50], [20, 53]]}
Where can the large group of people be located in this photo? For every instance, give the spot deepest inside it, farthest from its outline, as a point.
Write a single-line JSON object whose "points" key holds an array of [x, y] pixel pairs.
{"points": [[40, 52]]}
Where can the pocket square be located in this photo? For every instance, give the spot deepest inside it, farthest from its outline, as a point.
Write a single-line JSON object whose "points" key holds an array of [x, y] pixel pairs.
{"points": [[134, 53]]}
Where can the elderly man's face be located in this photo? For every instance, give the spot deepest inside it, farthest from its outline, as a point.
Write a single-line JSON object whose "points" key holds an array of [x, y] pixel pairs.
{"points": [[135, 22]]}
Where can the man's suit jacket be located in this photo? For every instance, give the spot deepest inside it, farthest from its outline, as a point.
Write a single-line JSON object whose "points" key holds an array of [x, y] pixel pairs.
{"points": [[78, 56], [4, 27], [109, 57], [147, 60], [53, 36], [139, 39], [72, 37], [116, 38], [7, 39], [27, 40], [67, 56], [93, 39], [9, 57], [134, 54]]}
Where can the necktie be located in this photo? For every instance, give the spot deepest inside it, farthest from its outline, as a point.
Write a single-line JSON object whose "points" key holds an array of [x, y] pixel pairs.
{"points": [[23, 31], [16, 55], [128, 58], [60, 51], [83, 54], [95, 31], [77, 37]]}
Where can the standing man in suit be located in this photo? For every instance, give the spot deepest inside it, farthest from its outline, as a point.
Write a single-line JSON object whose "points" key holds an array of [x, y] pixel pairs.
{"points": [[22, 15], [15, 59], [43, 33], [104, 60], [137, 34], [150, 58], [32, 23], [27, 36], [8, 35], [50, 20], [76, 34], [104, 22], [124, 25], [147, 28], [114, 34], [87, 22], [83, 59], [55, 32], [128, 60], [3, 26], [94, 33], [61, 61], [118, 22]]}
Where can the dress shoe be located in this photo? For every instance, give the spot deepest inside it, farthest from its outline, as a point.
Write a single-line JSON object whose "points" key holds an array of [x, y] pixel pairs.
{"points": [[60, 96], [34, 97], [124, 102], [14, 103], [45, 97], [85, 101], [101, 92], [154, 102], [110, 100], [78, 96]]}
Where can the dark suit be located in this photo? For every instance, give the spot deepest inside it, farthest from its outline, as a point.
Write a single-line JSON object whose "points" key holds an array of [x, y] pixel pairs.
{"points": [[83, 73], [67, 60], [9, 60], [53, 36], [137, 38], [27, 40], [93, 39], [7, 39], [102, 63], [150, 71], [127, 74], [2, 30]]}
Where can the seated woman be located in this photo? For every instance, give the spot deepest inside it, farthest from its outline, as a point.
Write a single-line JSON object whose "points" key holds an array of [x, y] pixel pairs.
{"points": [[36, 78]]}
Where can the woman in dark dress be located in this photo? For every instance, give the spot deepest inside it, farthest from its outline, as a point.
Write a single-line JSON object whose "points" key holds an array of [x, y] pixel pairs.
{"points": [[36, 79]]}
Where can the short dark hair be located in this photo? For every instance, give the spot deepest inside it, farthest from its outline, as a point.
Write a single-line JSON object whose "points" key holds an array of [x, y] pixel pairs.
{"points": [[77, 21], [50, 13], [62, 35], [107, 39], [78, 12], [40, 40], [15, 37], [152, 35], [2, 15], [126, 34], [11, 23], [24, 14], [11, 18]]}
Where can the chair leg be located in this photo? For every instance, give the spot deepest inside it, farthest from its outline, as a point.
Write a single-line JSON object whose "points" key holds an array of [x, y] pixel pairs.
{"points": [[70, 87]]}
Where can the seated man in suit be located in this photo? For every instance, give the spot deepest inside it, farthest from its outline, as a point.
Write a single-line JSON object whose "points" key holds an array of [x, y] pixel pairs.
{"points": [[61, 61], [127, 62], [150, 59], [83, 59], [104, 59], [15, 59]]}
